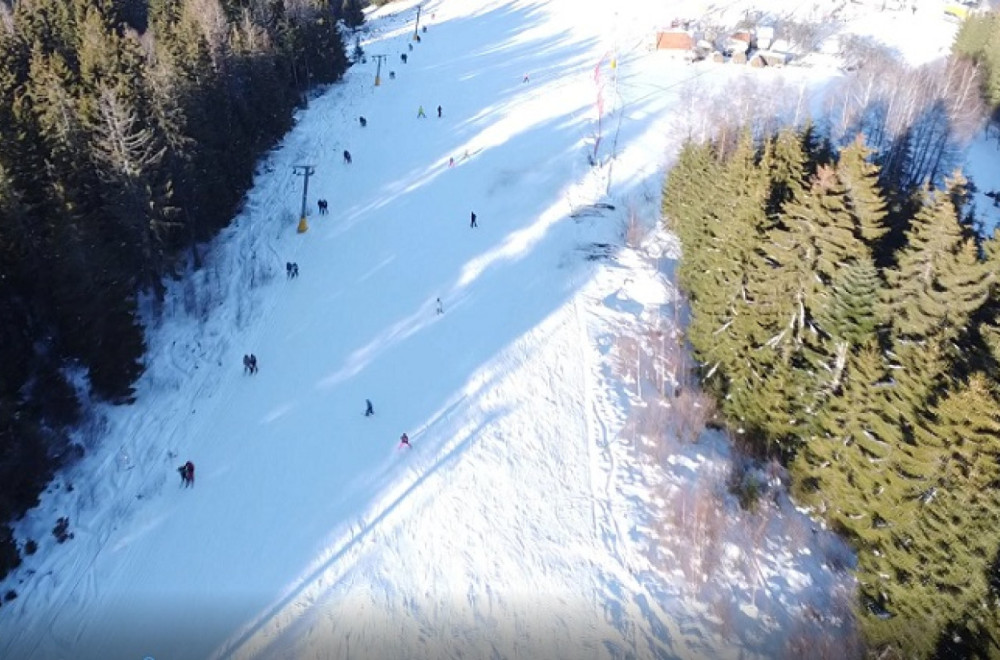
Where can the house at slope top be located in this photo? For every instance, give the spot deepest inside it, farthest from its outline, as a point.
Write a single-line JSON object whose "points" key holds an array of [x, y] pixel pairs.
{"points": [[739, 43], [754, 46], [676, 41]]}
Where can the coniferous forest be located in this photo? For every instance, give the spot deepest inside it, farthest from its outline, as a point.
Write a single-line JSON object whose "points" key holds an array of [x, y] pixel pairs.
{"points": [[869, 363], [129, 133]]}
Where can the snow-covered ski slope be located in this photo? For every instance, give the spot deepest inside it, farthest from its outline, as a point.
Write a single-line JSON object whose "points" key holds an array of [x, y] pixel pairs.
{"points": [[514, 526]]}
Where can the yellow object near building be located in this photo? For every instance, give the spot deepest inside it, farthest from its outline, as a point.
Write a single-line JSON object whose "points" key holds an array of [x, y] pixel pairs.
{"points": [[965, 8], [957, 10], [303, 225]]}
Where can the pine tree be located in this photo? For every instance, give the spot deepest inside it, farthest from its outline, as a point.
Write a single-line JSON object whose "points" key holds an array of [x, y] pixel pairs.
{"points": [[686, 208], [864, 198], [55, 108], [820, 217], [352, 13], [850, 313], [51, 24], [939, 281], [989, 326], [97, 52], [973, 35], [812, 242], [844, 469], [815, 146], [732, 229], [990, 56], [931, 296], [785, 162], [769, 398], [938, 564]]}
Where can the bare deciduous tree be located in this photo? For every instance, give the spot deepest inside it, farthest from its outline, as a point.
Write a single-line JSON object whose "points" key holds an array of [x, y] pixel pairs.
{"points": [[125, 149], [693, 523], [210, 18], [916, 119], [6, 19], [635, 230], [692, 409], [628, 357]]}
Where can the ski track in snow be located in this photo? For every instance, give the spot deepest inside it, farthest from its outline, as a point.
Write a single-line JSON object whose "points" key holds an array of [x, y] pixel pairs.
{"points": [[518, 525]]}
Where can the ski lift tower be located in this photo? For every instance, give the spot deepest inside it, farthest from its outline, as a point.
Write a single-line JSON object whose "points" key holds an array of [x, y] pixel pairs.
{"points": [[378, 69], [305, 171]]}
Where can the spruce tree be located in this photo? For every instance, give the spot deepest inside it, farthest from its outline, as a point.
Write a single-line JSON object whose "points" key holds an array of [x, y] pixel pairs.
{"points": [[785, 162], [686, 208], [938, 565], [844, 468], [820, 220], [939, 282], [865, 202], [732, 225], [973, 35], [989, 326], [850, 313], [352, 13], [802, 255]]}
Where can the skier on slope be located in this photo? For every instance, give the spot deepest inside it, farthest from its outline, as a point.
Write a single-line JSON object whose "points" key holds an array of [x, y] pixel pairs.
{"points": [[404, 440], [187, 474]]}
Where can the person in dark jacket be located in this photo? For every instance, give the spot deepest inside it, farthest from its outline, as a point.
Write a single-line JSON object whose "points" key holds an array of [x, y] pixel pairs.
{"points": [[404, 440], [369, 409], [472, 223], [187, 474]]}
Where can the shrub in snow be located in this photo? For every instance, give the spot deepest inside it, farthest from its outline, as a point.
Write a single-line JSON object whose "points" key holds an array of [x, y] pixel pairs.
{"points": [[745, 485], [30, 547], [61, 530], [9, 596]]}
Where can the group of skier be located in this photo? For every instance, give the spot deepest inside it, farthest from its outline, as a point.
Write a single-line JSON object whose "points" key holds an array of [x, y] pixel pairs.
{"points": [[292, 271]]}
